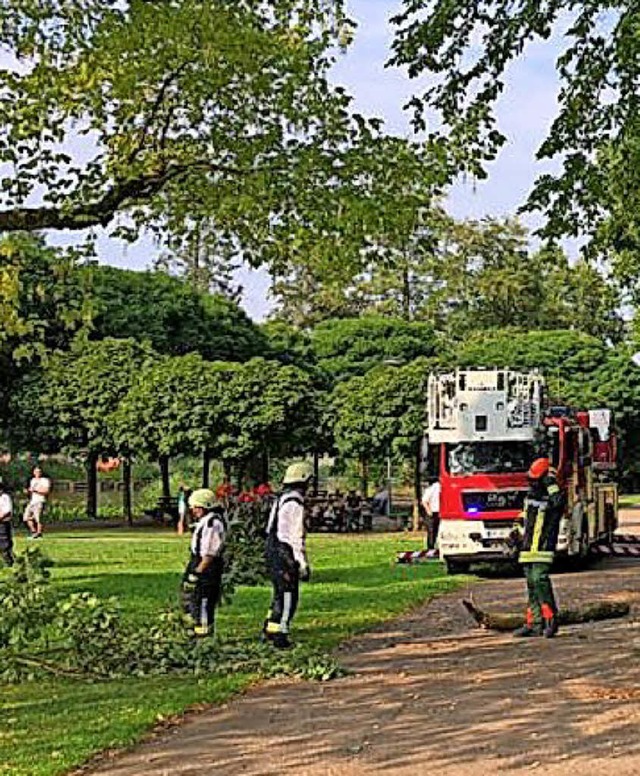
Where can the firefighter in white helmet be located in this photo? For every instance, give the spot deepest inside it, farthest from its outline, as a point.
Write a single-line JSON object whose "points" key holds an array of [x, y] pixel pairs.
{"points": [[286, 554], [202, 580]]}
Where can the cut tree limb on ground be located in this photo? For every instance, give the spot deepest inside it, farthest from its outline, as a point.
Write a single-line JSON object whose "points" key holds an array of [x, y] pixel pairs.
{"points": [[601, 610]]}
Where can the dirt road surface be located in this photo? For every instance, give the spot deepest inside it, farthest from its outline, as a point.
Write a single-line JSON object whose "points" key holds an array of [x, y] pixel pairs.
{"points": [[430, 694]]}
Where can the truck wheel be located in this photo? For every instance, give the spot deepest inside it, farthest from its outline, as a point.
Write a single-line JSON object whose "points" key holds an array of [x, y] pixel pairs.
{"points": [[457, 566]]}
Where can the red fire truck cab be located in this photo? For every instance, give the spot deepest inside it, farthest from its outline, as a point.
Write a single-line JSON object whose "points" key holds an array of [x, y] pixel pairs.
{"points": [[485, 427]]}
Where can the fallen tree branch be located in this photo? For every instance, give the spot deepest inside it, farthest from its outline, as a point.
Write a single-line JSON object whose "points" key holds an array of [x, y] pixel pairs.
{"points": [[52, 668], [602, 610]]}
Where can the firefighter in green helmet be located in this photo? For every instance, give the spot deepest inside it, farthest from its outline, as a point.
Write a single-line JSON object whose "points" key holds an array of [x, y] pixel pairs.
{"points": [[202, 580], [543, 509], [286, 553]]}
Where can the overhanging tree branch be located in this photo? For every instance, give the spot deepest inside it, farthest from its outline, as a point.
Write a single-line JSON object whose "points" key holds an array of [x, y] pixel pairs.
{"points": [[102, 211]]}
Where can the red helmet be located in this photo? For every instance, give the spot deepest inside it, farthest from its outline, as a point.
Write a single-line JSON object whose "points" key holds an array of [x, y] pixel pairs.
{"points": [[538, 468]]}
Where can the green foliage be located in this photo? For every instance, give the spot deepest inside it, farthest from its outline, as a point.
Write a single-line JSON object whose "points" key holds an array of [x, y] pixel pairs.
{"points": [[236, 411], [177, 405], [44, 304], [245, 546], [288, 344], [381, 413], [25, 601], [470, 47], [349, 347], [70, 402], [460, 277], [270, 408], [380, 220], [171, 315], [489, 279], [223, 121], [83, 636], [43, 299]]}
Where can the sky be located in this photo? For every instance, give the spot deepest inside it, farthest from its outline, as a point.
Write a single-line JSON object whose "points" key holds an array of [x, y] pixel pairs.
{"points": [[525, 113]]}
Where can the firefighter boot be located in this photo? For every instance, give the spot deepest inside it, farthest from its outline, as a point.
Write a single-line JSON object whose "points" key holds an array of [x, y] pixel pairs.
{"points": [[529, 628], [550, 619], [270, 630], [281, 641]]}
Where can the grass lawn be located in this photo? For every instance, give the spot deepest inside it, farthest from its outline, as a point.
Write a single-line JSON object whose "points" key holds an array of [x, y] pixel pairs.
{"points": [[630, 500], [50, 726]]}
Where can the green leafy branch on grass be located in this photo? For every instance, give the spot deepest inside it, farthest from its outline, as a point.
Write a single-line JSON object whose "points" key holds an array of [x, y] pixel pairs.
{"points": [[85, 637]]}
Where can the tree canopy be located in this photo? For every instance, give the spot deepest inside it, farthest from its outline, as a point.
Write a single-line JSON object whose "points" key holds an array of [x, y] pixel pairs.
{"points": [[44, 302], [459, 276], [382, 412], [229, 124], [179, 113], [467, 47], [353, 346], [68, 404], [170, 314]]}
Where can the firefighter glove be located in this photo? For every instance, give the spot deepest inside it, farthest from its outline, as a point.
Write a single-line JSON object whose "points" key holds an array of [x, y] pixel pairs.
{"points": [[190, 582], [305, 572]]}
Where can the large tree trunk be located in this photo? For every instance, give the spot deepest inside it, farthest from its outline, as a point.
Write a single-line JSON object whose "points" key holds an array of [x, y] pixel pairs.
{"points": [[206, 469], [127, 506], [92, 486], [600, 610], [164, 473]]}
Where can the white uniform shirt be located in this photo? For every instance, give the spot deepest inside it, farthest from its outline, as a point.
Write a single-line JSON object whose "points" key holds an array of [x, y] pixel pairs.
{"points": [[290, 523], [6, 507], [431, 498], [208, 536], [39, 483]]}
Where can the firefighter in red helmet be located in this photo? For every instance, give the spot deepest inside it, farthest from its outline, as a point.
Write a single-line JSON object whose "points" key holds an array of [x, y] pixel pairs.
{"points": [[543, 509]]}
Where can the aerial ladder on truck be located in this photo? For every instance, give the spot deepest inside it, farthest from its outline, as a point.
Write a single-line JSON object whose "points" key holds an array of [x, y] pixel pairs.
{"points": [[484, 429]]}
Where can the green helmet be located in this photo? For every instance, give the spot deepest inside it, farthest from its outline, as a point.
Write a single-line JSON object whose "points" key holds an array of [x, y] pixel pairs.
{"points": [[297, 472], [203, 497]]}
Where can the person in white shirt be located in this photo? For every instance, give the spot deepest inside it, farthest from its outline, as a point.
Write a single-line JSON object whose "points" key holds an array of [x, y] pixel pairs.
{"points": [[286, 554], [6, 529], [202, 580], [39, 489], [431, 504]]}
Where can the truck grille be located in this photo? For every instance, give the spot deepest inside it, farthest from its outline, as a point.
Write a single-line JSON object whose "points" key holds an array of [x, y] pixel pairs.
{"points": [[493, 501]]}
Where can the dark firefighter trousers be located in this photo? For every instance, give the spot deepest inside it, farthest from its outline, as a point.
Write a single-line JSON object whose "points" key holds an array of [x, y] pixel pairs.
{"points": [[285, 578], [433, 528], [199, 599], [542, 602], [6, 542]]}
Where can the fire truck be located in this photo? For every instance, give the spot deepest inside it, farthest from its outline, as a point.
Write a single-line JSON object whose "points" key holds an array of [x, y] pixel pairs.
{"points": [[484, 429]]}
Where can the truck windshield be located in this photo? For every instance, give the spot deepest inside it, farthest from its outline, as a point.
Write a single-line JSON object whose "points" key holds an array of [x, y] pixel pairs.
{"points": [[489, 457]]}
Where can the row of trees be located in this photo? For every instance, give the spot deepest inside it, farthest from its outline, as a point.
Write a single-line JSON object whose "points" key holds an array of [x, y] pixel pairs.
{"points": [[122, 398]]}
